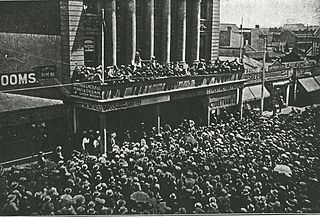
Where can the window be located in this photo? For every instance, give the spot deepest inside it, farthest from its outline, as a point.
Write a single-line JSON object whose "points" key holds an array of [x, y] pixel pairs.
{"points": [[90, 6], [89, 52], [204, 9]]}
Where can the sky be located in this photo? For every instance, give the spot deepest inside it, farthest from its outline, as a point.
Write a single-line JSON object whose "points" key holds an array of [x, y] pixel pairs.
{"points": [[270, 13]]}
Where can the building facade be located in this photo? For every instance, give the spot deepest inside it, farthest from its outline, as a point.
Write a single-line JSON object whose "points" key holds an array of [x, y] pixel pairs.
{"points": [[169, 30]]}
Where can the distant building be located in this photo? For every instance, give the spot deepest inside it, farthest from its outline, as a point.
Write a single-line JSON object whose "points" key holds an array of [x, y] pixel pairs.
{"points": [[230, 36]]}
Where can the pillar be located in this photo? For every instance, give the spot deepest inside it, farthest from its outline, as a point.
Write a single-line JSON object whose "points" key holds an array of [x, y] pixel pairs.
{"points": [[103, 133], [241, 102], [74, 119], [131, 33], [195, 31], [166, 31], [149, 29], [99, 37], [181, 30], [158, 115], [110, 39]]}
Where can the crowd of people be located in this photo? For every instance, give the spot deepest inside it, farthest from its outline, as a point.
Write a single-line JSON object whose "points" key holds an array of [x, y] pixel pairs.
{"points": [[253, 165], [144, 70]]}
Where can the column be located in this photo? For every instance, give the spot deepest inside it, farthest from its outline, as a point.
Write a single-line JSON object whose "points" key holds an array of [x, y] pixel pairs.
{"points": [[74, 119], [110, 39], [195, 31], [241, 102], [181, 30], [166, 30], [103, 133], [99, 38], [131, 36], [158, 117], [149, 29]]}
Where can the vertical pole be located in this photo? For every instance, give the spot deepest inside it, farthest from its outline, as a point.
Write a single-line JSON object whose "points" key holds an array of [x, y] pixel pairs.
{"points": [[75, 119], [241, 102], [103, 47], [287, 94], [263, 73], [103, 133], [158, 114], [207, 104], [241, 39]]}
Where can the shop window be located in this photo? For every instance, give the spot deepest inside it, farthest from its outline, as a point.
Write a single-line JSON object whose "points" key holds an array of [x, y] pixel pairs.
{"points": [[89, 52]]}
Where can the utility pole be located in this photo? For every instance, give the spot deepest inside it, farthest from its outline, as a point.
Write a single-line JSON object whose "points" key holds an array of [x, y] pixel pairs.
{"points": [[103, 46], [263, 73], [241, 39]]}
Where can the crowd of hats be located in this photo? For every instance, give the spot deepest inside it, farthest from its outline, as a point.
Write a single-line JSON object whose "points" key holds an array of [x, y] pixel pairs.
{"points": [[152, 70], [226, 167]]}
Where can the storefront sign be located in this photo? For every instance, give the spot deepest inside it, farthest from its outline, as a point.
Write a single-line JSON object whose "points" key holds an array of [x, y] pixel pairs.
{"points": [[130, 103], [223, 99], [26, 79], [92, 91], [89, 106], [45, 72], [224, 88], [16, 80], [254, 77]]}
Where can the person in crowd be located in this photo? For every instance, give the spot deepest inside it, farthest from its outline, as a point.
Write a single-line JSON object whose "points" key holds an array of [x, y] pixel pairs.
{"points": [[145, 71]]}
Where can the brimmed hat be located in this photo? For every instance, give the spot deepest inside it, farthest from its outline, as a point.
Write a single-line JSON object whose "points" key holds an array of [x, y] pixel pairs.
{"points": [[14, 185], [11, 197]]}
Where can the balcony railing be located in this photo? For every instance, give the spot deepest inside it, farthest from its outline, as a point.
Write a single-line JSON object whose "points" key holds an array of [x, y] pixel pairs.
{"points": [[113, 90]]}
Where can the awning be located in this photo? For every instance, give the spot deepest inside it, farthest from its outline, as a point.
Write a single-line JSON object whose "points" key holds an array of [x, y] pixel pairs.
{"points": [[255, 93], [281, 83], [309, 84], [14, 102], [317, 79], [247, 95]]}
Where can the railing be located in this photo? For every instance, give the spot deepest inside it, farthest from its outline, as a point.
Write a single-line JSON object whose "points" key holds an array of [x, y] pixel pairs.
{"points": [[113, 90]]}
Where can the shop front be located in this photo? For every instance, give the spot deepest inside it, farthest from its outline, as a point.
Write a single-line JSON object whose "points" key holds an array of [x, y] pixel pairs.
{"points": [[153, 102], [29, 125]]}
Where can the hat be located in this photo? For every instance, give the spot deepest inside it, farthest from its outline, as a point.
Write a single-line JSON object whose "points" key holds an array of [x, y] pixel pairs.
{"points": [[121, 202], [245, 192], [14, 185], [99, 200], [47, 198], [67, 191], [198, 205], [91, 211], [11, 197], [79, 200], [91, 204], [224, 193]]}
